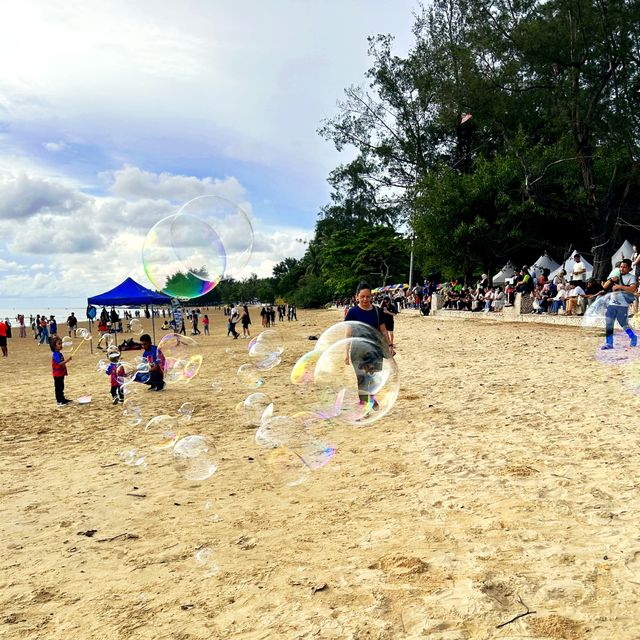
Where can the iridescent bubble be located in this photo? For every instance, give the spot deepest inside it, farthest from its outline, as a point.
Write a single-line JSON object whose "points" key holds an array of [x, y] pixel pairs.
{"points": [[231, 224], [67, 344], [303, 369], [253, 408], [270, 341], [351, 329], [359, 382], [182, 358], [284, 466], [249, 376], [216, 386], [195, 458], [186, 409], [183, 256], [102, 365], [162, 432]]}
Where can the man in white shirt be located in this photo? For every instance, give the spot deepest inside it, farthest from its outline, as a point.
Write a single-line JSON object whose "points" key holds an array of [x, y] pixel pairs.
{"points": [[579, 271]]}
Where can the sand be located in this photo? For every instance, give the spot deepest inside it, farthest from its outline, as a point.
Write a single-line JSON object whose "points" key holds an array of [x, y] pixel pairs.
{"points": [[504, 481]]}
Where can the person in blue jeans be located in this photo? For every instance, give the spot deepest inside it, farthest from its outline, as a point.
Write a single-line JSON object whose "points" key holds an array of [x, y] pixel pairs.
{"points": [[623, 285]]}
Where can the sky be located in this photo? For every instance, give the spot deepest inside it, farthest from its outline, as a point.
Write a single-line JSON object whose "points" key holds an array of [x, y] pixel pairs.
{"points": [[114, 114]]}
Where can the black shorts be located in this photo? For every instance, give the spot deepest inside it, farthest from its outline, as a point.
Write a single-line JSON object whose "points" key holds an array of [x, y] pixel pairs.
{"points": [[3, 341]]}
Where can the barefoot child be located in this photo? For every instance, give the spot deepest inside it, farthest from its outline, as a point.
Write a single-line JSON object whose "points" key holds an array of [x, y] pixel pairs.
{"points": [[59, 367]]}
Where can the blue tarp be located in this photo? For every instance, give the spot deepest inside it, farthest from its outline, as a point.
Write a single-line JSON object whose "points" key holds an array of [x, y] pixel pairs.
{"points": [[129, 293]]}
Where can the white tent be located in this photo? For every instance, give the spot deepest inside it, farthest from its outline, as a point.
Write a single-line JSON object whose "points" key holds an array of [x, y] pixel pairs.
{"points": [[544, 262], [624, 251], [507, 272], [568, 267]]}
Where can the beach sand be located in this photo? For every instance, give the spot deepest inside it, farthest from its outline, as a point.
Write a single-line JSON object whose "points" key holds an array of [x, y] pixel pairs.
{"points": [[505, 480]]}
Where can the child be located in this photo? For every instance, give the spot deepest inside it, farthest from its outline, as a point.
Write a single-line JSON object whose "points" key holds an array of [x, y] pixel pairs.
{"points": [[115, 370], [205, 324], [59, 367]]}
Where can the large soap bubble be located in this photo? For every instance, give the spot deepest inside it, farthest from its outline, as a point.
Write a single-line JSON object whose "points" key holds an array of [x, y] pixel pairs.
{"points": [[249, 376], [183, 256], [182, 358], [253, 408], [231, 224], [195, 458], [351, 329], [162, 432], [355, 381]]}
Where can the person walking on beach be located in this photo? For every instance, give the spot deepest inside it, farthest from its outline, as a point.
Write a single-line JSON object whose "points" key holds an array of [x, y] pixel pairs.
{"points": [[72, 324], [245, 320], [366, 359], [23, 328], [205, 324], [44, 329], [59, 370], [233, 319], [3, 339], [623, 286]]}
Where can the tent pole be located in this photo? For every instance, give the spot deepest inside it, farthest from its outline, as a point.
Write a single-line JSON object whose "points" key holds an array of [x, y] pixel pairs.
{"points": [[153, 324]]}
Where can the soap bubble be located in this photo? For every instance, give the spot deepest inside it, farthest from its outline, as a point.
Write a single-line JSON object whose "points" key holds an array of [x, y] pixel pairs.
{"points": [[594, 316], [85, 334], [162, 432], [360, 385], [186, 409], [182, 358], [133, 458], [216, 386], [249, 376], [284, 466], [270, 341], [102, 365], [231, 224], [303, 369], [351, 329], [67, 344], [253, 408], [132, 412], [195, 458], [113, 353], [183, 256], [135, 326], [125, 372]]}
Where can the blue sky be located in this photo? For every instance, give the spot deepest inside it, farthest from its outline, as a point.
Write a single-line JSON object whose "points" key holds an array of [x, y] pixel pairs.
{"points": [[112, 114]]}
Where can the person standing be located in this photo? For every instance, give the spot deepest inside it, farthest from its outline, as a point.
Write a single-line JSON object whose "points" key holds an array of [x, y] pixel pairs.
{"points": [[44, 329], [3, 339], [53, 326], [205, 324], [366, 359], [59, 370], [389, 313], [72, 324], [579, 271], [245, 320], [23, 328], [622, 285], [233, 319]]}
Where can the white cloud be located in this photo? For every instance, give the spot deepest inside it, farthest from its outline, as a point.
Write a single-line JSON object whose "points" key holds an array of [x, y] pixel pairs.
{"points": [[23, 196], [54, 146]]}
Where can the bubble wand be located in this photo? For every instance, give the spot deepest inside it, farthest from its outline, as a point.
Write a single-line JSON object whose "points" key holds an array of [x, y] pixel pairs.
{"points": [[85, 338]]}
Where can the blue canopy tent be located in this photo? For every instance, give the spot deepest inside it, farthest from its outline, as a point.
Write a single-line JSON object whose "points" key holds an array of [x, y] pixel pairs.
{"points": [[131, 294]]}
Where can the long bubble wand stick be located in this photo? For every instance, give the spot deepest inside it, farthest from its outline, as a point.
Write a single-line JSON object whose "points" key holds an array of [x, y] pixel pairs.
{"points": [[73, 353]]}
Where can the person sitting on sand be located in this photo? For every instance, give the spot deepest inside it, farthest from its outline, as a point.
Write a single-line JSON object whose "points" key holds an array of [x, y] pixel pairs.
{"points": [[156, 364]]}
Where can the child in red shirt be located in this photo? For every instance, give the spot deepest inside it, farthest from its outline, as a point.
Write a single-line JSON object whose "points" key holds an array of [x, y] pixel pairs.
{"points": [[59, 368]]}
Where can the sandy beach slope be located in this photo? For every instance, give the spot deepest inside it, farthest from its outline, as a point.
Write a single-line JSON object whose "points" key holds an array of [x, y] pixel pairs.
{"points": [[505, 480]]}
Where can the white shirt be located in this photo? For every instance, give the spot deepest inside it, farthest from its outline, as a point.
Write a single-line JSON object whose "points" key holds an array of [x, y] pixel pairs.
{"points": [[575, 292], [579, 271]]}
